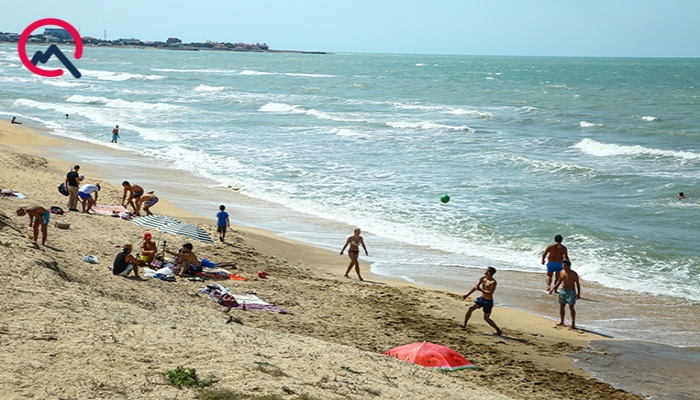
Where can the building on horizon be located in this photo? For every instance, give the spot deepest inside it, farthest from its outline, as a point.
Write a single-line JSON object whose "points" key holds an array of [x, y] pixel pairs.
{"points": [[58, 33]]}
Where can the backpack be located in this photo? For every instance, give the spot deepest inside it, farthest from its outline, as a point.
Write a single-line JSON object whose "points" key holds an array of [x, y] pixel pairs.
{"points": [[56, 210], [62, 189], [227, 300]]}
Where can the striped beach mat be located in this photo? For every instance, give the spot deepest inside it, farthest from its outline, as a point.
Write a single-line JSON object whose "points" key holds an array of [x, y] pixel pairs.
{"points": [[166, 224]]}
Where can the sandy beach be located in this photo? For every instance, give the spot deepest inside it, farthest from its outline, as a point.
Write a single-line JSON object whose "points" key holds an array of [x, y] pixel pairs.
{"points": [[72, 330]]}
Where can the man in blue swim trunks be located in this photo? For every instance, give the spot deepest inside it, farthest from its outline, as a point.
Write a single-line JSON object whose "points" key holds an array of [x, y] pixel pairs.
{"points": [[486, 285], [38, 217], [555, 253], [189, 265], [146, 201], [569, 293]]}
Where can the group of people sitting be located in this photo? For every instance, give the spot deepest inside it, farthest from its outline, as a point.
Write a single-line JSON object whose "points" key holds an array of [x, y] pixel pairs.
{"points": [[185, 262]]}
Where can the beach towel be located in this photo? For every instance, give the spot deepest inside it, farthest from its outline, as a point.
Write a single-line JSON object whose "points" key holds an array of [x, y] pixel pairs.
{"points": [[11, 194], [219, 273], [249, 301], [102, 209]]}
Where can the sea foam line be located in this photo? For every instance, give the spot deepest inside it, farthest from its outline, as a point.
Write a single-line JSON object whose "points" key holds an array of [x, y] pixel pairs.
{"points": [[599, 149]]}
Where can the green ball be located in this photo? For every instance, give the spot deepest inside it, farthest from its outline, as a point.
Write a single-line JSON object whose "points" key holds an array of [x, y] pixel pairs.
{"points": [[445, 198]]}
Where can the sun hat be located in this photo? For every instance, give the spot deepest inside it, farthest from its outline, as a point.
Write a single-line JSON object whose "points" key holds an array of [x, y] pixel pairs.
{"points": [[262, 274]]}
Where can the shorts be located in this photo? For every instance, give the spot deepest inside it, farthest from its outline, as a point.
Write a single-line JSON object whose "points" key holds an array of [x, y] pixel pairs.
{"points": [[554, 266], [151, 202], [84, 195], [127, 271], [45, 217], [138, 194], [486, 304], [221, 228], [567, 296], [207, 263], [115, 137]]}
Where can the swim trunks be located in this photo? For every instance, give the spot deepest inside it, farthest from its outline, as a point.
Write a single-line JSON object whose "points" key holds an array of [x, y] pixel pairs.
{"points": [[84, 195], [554, 266], [486, 304], [207, 263], [138, 194], [221, 229], [45, 216], [151, 202], [115, 137], [567, 296]]}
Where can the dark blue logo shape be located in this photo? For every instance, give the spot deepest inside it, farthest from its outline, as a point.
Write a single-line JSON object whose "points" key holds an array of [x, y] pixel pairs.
{"points": [[41, 57]]}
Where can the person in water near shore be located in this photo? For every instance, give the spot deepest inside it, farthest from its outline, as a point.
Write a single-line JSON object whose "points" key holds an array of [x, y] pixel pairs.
{"points": [[38, 218], [115, 134], [681, 196], [486, 285], [354, 241], [14, 121], [569, 293], [555, 254]]}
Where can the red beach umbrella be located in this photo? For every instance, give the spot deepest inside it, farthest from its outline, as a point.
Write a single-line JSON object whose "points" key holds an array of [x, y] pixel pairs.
{"points": [[431, 355]]}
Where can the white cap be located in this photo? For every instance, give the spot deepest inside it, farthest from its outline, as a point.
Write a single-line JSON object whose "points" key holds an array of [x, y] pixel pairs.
{"points": [[81, 176]]}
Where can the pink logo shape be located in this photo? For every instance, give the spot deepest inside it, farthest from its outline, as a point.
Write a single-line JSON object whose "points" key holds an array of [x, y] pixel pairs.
{"points": [[22, 45]]}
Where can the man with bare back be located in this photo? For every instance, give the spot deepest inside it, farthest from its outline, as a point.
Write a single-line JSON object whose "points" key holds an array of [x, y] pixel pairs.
{"points": [[569, 293], [486, 285], [555, 254]]}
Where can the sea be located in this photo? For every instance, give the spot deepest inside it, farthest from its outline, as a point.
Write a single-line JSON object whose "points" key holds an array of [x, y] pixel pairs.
{"points": [[312, 146]]}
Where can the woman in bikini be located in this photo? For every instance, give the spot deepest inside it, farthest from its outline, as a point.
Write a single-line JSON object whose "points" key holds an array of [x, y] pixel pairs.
{"points": [[354, 241]]}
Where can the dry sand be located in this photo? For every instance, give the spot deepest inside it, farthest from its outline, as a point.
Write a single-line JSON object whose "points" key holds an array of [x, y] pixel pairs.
{"points": [[71, 330]]}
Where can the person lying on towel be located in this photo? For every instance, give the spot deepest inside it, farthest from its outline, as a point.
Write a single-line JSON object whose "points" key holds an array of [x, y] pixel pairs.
{"points": [[188, 264]]}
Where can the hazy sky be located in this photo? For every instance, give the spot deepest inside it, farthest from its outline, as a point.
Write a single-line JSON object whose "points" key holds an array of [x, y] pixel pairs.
{"points": [[624, 28]]}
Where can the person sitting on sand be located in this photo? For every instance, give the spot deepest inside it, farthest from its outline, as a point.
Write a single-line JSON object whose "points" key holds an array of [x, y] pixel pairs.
{"points": [[570, 292], [188, 264], [555, 254], [486, 285], [149, 248], [85, 195], [134, 192], [38, 218], [124, 263], [146, 201], [14, 121], [354, 252]]}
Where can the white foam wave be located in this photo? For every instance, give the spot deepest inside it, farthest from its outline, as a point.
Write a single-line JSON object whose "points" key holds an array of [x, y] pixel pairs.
{"points": [[584, 124], [420, 65], [428, 125], [203, 71], [280, 108], [599, 149], [462, 111], [207, 88], [124, 104], [651, 119], [250, 72], [54, 82], [349, 133], [309, 75], [118, 76]]}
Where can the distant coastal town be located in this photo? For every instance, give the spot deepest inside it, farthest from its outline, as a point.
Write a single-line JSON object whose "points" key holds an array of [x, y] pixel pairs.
{"points": [[60, 35]]}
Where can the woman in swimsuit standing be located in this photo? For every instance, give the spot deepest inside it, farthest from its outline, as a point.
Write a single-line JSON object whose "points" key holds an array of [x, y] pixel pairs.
{"points": [[354, 241]]}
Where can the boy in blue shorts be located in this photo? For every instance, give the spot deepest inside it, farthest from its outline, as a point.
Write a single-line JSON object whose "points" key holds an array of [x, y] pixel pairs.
{"points": [[569, 293], [486, 285]]}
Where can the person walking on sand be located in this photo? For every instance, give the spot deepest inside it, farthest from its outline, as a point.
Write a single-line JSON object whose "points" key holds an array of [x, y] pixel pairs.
{"points": [[38, 218], [124, 263], [134, 192], [569, 293], [555, 254], [146, 201], [85, 194], [115, 134], [486, 285], [222, 222], [354, 252], [72, 184]]}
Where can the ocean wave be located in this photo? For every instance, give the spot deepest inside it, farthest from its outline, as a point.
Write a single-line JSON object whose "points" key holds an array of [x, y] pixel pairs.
{"points": [[651, 119], [124, 104], [252, 72], [349, 133], [463, 111], [203, 71], [118, 76], [428, 125], [207, 88], [599, 149], [281, 108], [551, 166], [584, 124], [420, 65], [54, 82]]}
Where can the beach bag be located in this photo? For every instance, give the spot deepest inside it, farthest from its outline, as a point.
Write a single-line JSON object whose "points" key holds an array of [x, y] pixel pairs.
{"points": [[56, 210], [227, 300], [62, 189]]}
